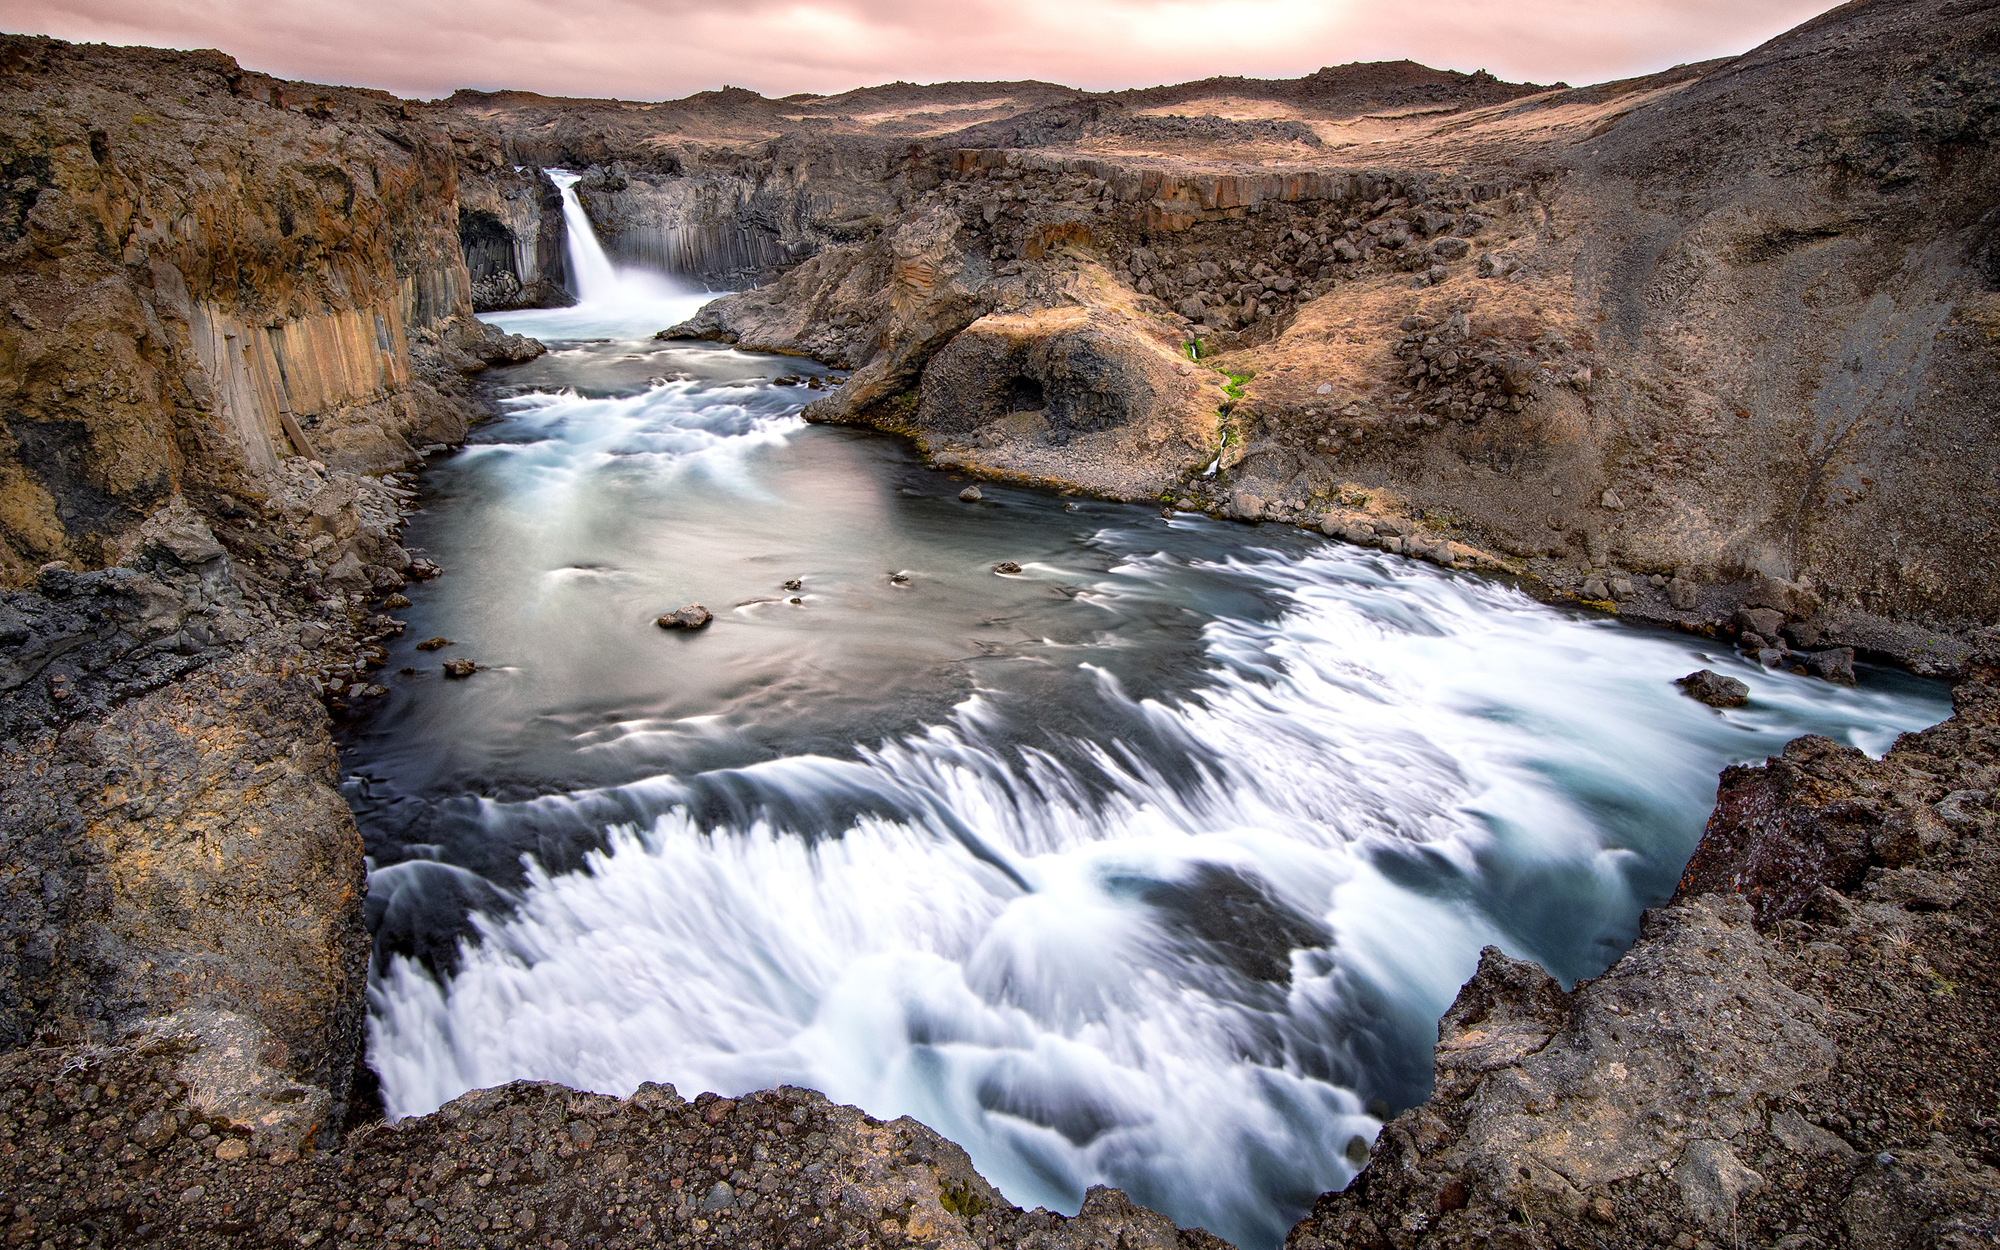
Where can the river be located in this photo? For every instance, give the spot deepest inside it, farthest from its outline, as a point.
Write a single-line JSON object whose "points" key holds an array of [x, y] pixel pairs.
{"points": [[1152, 864]]}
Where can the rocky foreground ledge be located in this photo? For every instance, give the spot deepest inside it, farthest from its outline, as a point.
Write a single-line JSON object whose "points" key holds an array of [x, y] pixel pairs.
{"points": [[1798, 1052]]}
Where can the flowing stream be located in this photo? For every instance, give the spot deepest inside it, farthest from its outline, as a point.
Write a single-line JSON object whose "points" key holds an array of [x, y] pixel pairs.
{"points": [[1152, 864]]}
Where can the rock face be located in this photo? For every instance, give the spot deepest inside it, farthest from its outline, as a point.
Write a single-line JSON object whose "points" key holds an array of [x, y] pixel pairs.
{"points": [[232, 305], [510, 227], [1796, 1052], [206, 271], [1715, 346]]}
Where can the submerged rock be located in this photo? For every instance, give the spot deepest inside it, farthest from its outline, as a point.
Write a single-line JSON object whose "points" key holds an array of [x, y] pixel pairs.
{"points": [[693, 616], [433, 644], [1714, 689], [1006, 566]]}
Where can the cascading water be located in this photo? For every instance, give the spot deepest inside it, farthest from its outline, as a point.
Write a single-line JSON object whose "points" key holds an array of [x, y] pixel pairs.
{"points": [[600, 285], [1152, 865]]}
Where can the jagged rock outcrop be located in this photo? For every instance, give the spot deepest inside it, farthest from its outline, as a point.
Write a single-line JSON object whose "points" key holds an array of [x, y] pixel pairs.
{"points": [[525, 1164], [1796, 1052], [205, 271]]}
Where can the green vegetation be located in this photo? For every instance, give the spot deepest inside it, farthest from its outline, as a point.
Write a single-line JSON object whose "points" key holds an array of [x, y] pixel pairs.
{"points": [[958, 1198]]}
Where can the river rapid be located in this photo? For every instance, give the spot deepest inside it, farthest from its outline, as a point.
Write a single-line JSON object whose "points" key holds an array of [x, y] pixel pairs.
{"points": [[1150, 865]]}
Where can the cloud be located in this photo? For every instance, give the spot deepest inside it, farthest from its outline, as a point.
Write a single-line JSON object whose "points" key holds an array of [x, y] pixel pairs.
{"points": [[657, 49]]}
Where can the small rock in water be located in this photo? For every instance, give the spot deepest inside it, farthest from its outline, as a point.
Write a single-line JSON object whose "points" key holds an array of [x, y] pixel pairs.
{"points": [[394, 602], [460, 668], [1712, 688], [795, 583], [1834, 665], [794, 599], [899, 579], [423, 570], [433, 644], [970, 494], [1006, 566], [693, 616]]}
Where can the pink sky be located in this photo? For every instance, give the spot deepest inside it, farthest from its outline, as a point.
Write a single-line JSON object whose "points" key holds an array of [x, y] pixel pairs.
{"points": [[657, 49]]}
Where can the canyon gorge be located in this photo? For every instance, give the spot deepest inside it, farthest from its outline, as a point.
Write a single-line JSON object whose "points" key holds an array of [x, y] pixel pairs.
{"points": [[1292, 384]]}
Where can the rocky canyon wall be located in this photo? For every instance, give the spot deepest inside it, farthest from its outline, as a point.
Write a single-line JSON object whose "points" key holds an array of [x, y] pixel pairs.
{"points": [[510, 227], [205, 271], [1646, 343], [228, 306], [1716, 346]]}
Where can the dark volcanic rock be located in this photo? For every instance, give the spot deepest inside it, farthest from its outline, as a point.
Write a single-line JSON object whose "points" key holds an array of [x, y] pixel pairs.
{"points": [[693, 616], [1714, 689], [1797, 1051], [525, 1164]]}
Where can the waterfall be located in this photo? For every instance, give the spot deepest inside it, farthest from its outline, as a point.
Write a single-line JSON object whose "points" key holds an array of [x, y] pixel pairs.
{"points": [[598, 282]]}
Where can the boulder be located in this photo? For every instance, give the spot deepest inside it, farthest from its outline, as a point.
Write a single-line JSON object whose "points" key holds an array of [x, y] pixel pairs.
{"points": [[460, 667], [970, 494], [1450, 248], [693, 616], [1710, 687], [1764, 622], [1835, 664]]}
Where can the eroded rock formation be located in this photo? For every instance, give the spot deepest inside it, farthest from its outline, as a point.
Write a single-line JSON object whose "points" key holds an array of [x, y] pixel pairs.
{"points": [[1715, 346], [232, 304]]}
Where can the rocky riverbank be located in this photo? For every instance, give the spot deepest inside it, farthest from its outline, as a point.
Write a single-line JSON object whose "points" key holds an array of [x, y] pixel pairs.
{"points": [[1797, 1052], [1714, 347]]}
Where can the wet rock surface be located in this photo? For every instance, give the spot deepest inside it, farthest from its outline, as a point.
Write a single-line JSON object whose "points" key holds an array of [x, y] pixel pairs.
{"points": [[1712, 688], [693, 616]]}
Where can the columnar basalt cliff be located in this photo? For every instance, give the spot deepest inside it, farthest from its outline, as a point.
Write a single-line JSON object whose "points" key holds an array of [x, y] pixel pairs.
{"points": [[1715, 347], [231, 305]]}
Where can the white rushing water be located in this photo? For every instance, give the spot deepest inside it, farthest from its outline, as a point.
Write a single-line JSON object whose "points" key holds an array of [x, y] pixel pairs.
{"points": [[1173, 878], [609, 297]]}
